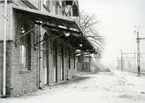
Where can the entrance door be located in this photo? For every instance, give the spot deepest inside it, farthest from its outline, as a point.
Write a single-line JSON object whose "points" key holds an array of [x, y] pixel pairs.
{"points": [[46, 60], [62, 61], [55, 59]]}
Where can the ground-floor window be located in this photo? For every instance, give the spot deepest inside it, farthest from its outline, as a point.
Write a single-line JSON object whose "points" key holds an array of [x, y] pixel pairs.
{"points": [[25, 48]]}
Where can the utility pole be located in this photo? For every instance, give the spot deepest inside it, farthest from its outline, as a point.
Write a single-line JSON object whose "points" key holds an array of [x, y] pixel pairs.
{"points": [[121, 61], [138, 50]]}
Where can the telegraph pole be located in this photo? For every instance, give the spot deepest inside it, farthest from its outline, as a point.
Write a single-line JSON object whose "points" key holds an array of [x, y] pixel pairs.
{"points": [[138, 52], [121, 61]]}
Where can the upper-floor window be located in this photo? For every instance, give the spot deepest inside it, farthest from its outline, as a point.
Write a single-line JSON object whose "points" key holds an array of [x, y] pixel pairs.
{"points": [[69, 2], [70, 8], [75, 10]]}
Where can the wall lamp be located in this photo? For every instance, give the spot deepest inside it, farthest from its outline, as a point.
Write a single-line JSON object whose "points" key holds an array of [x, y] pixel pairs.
{"points": [[22, 30], [80, 45], [67, 34]]}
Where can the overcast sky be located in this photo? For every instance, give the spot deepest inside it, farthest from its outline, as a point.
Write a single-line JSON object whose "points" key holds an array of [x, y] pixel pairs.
{"points": [[117, 19]]}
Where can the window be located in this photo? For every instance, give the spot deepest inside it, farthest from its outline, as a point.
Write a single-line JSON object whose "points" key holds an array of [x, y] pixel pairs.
{"points": [[25, 49], [75, 10], [23, 56], [69, 2]]}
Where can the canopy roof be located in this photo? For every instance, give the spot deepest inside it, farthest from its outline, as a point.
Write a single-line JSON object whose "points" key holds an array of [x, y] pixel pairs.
{"points": [[58, 24]]}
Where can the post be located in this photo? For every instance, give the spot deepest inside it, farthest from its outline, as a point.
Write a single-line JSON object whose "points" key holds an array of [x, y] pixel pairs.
{"points": [[138, 53], [117, 64], [4, 49], [121, 61]]}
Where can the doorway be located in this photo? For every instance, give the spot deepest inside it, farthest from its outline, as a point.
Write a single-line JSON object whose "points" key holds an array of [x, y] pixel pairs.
{"points": [[62, 62], [55, 60], [46, 59]]}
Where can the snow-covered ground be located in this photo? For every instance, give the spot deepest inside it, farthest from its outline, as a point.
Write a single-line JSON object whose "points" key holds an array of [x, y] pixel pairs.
{"points": [[116, 87]]}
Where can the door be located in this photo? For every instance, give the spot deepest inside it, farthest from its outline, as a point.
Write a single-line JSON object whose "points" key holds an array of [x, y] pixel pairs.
{"points": [[55, 59], [62, 62], [45, 60]]}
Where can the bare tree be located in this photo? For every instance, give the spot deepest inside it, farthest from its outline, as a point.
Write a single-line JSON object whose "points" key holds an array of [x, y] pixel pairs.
{"points": [[89, 26]]}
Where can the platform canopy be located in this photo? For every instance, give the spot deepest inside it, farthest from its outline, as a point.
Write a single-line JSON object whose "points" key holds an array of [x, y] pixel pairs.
{"points": [[59, 24]]}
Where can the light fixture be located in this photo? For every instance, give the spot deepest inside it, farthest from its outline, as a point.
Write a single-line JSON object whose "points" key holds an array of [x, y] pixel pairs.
{"points": [[67, 34], [80, 45], [22, 30], [78, 51], [38, 22]]}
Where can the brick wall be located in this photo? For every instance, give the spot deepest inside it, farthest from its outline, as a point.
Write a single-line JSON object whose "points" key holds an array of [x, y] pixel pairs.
{"points": [[8, 66], [22, 80]]}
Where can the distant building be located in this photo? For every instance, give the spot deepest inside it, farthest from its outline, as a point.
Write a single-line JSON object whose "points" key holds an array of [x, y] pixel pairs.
{"points": [[42, 39], [84, 63]]}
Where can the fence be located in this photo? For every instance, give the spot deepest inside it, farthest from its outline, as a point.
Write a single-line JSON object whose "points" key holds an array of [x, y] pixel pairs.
{"points": [[129, 61]]}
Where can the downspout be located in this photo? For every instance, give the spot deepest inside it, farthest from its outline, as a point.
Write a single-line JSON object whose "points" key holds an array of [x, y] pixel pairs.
{"points": [[39, 59], [39, 47], [4, 49]]}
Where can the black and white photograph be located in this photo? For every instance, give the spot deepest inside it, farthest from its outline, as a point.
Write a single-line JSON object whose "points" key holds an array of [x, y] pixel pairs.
{"points": [[72, 51]]}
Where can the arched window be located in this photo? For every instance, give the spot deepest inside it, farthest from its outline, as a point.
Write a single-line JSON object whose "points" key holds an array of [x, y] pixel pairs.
{"points": [[25, 48], [75, 10]]}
